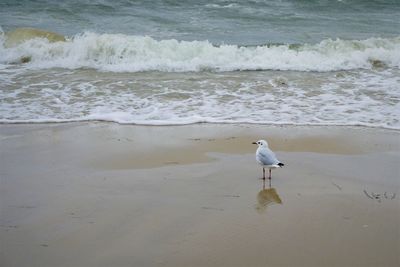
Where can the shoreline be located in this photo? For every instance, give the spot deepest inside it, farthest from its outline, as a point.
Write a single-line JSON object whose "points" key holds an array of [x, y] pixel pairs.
{"points": [[265, 124], [104, 194]]}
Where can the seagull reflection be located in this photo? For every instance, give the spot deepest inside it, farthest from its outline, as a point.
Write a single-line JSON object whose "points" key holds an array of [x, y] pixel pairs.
{"points": [[267, 197]]}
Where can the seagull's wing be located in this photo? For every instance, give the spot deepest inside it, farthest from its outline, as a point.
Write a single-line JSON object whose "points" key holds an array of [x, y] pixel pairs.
{"points": [[266, 157]]}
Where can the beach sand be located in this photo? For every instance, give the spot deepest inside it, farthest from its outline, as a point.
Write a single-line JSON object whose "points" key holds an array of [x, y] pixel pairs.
{"points": [[103, 194]]}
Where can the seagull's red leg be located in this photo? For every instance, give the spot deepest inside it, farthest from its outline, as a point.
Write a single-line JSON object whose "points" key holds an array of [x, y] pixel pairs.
{"points": [[269, 174], [264, 173]]}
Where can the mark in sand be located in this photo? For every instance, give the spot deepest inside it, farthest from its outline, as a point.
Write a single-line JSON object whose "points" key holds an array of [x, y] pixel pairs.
{"points": [[212, 208], [378, 197]]}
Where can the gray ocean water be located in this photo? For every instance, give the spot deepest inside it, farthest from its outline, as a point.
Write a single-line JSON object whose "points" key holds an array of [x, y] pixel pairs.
{"points": [[314, 62]]}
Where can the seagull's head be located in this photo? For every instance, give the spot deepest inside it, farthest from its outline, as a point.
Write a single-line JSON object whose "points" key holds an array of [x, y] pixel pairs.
{"points": [[261, 143]]}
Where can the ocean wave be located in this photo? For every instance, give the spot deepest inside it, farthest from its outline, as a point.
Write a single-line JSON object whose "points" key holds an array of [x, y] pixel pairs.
{"points": [[128, 53]]}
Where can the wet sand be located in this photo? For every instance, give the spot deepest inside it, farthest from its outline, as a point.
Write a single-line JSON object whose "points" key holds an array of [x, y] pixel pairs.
{"points": [[103, 194]]}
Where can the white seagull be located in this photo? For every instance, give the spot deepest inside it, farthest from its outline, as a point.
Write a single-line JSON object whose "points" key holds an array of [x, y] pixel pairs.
{"points": [[266, 157]]}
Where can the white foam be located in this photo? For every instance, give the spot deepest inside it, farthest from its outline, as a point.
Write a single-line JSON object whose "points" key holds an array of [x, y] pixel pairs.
{"points": [[354, 97], [368, 98], [126, 53]]}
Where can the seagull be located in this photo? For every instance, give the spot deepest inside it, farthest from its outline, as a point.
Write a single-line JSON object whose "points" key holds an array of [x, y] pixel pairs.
{"points": [[266, 157]]}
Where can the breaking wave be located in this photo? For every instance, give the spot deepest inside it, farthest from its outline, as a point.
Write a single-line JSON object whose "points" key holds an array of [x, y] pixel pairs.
{"points": [[128, 53]]}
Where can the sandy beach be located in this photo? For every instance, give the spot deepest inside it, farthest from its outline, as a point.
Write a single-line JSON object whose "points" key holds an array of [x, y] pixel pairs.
{"points": [[104, 194]]}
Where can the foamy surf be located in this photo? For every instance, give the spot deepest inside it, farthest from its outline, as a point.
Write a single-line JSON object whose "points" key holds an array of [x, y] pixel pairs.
{"points": [[130, 79], [128, 53], [358, 98]]}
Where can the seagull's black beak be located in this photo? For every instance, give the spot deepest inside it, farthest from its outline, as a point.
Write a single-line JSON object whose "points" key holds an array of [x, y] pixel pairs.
{"points": [[254, 143]]}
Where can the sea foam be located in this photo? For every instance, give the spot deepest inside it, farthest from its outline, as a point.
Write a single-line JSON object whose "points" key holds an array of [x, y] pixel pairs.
{"points": [[362, 97], [128, 53]]}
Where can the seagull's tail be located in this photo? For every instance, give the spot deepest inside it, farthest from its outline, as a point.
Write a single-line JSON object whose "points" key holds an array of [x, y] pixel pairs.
{"points": [[280, 164]]}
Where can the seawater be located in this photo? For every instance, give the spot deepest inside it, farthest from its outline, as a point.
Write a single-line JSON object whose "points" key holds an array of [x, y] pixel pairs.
{"points": [[167, 62]]}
